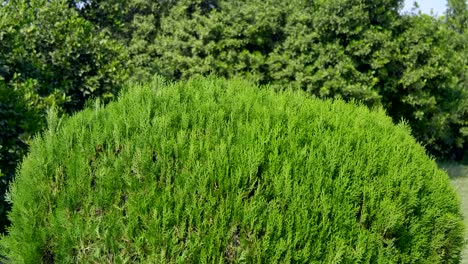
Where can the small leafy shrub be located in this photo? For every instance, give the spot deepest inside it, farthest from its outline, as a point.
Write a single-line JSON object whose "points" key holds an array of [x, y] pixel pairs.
{"points": [[210, 170]]}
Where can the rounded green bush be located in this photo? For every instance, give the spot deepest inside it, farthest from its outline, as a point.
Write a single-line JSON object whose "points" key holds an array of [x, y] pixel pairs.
{"points": [[216, 171]]}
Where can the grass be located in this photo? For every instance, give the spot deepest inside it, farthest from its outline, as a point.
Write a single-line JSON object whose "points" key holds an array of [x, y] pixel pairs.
{"points": [[459, 177]]}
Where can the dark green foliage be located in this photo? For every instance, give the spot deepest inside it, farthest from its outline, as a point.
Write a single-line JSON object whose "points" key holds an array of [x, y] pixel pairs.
{"points": [[430, 86], [210, 171], [134, 23], [56, 53], [18, 121], [457, 15], [225, 37]]}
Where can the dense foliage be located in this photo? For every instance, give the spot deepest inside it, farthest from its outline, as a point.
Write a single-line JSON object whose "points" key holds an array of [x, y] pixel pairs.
{"points": [[223, 171], [17, 122], [49, 56], [457, 15], [134, 23]]}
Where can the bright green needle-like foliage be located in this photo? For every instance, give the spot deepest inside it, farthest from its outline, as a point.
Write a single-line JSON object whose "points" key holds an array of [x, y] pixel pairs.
{"points": [[215, 171]]}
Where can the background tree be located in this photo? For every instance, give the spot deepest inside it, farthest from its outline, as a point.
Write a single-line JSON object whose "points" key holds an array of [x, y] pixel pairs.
{"points": [[430, 91], [134, 23], [457, 14], [457, 18]]}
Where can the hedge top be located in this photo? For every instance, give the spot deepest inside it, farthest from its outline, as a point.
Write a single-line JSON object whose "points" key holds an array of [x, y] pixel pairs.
{"points": [[211, 170]]}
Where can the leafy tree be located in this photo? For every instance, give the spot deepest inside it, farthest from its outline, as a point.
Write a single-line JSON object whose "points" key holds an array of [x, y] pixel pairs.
{"points": [[429, 90], [457, 14], [53, 46], [134, 23], [327, 49], [457, 19], [49, 57], [226, 38]]}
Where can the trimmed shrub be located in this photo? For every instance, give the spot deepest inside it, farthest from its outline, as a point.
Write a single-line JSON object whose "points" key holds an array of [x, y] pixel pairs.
{"points": [[216, 171]]}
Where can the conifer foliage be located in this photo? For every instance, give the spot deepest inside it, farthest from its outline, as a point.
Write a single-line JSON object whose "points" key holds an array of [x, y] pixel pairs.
{"points": [[209, 170]]}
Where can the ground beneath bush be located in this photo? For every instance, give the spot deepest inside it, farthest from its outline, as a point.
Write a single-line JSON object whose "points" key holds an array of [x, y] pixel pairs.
{"points": [[459, 177]]}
